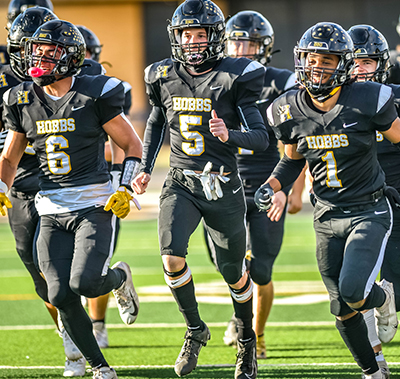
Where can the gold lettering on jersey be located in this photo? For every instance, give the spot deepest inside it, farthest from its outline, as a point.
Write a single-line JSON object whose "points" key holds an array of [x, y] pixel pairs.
{"points": [[23, 97], [161, 72], [284, 113], [379, 136], [193, 104], [55, 126], [3, 81], [328, 141]]}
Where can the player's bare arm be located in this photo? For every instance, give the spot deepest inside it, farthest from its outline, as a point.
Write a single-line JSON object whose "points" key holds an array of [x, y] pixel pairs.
{"points": [[14, 147]]}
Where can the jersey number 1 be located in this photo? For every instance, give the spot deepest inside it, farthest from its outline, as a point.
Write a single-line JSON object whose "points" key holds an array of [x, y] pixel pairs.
{"points": [[331, 170]]}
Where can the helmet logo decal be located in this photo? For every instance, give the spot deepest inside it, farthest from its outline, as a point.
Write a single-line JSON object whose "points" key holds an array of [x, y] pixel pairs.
{"points": [[319, 45]]}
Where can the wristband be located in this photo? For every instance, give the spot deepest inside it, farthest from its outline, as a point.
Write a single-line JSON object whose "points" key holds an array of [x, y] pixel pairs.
{"points": [[130, 169], [3, 186]]}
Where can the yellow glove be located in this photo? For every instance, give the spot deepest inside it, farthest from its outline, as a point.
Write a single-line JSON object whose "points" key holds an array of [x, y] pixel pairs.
{"points": [[119, 202], [4, 203]]}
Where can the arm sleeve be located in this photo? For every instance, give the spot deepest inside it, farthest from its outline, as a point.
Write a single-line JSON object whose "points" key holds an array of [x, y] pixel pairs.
{"points": [[287, 170], [248, 87], [109, 103], [153, 139]]}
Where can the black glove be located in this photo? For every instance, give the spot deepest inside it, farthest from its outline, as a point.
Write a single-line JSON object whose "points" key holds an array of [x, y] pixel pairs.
{"points": [[393, 197], [263, 197]]}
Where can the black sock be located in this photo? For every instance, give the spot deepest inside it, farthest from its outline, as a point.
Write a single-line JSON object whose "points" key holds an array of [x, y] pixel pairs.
{"points": [[355, 335], [186, 300], [375, 298], [244, 313]]}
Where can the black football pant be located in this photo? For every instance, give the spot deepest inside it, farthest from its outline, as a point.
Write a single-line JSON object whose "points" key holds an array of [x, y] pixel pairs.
{"points": [[24, 221], [391, 262], [350, 250], [74, 252]]}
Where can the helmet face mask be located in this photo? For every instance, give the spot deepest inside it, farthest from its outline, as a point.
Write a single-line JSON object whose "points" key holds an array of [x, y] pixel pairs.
{"points": [[191, 16], [325, 39], [23, 27], [65, 57], [253, 27], [369, 43]]}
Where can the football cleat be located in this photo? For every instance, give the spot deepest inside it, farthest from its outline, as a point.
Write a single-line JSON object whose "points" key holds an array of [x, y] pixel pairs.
{"points": [[231, 333], [376, 375], [126, 296], [246, 361], [261, 347], [386, 316], [75, 368], [100, 333], [104, 372], [187, 358], [383, 366], [71, 350]]}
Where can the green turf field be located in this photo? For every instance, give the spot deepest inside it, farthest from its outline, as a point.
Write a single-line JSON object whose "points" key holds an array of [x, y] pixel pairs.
{"points": [[301, 338]]}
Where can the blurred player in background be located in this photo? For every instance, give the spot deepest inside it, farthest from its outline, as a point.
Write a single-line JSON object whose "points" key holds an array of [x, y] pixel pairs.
{"points": [[371, 52]]}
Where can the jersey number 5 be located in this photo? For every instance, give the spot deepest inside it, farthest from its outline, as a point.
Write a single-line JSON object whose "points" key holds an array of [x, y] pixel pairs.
{"points": [[195, 146], [331, 170], [59, 162]]}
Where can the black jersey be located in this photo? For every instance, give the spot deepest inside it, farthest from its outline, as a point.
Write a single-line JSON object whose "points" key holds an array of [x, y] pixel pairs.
{"points": [[389, 154], [184, 102], [255, 167], [66, 134], [339, 145], [26, 179], [4, 57]]}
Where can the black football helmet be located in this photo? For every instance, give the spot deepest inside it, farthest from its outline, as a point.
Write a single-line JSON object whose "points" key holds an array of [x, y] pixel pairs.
{"points": [[93, 45], [324, 38], [370, 43], [197, 14], [15, 7], [251, 26], [23, 27], [68, 42]]}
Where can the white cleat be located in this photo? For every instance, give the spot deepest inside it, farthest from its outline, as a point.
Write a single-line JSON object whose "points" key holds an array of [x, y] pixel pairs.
{"points": [[75, 368], [383, 368], [376, 375], [100, 333], [71, 350], [386, 316], [104, 373], [126, 296]]}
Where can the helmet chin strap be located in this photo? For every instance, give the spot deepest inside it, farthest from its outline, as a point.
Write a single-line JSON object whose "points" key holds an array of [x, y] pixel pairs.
{"points": [[323, 98]]}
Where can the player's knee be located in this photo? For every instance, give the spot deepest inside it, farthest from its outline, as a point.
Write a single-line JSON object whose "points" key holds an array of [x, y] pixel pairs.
{"points": [[85, 286], [57, 295], [349, 290], [231, 272], [260, 274]]}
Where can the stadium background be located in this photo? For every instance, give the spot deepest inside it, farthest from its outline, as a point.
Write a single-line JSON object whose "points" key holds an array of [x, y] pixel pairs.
{"points": [[133, 33]]}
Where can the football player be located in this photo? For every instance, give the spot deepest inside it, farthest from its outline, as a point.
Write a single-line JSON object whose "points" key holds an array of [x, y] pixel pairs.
{"points": [[23, 217], [371, 53], [249, 34], [16, 7], [66, 118], [331, 122], [204, 97]]}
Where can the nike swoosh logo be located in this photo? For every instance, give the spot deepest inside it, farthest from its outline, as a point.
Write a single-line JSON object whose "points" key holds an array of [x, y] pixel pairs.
{"points": [[236, 190], [75, 109], [212, 88], [380, 213], [348, 125]]}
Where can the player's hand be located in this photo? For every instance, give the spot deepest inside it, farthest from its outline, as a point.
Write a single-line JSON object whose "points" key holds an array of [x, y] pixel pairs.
{"points": [[217, 127], [263, 197], [140, 182], [393, 197], [278, 206], [4, 203], [118, 202]]}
